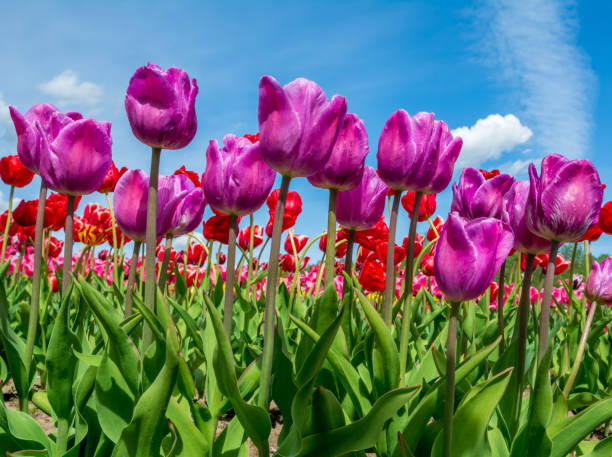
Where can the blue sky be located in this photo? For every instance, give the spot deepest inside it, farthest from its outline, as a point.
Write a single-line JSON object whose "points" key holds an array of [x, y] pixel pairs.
{"points": [[516, 79]]}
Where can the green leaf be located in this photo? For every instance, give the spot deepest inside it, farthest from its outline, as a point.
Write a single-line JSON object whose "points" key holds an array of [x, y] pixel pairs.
{"points": [[602, 449], [472, 417], [142, 437], [254, 419], [24, 428], [193, 442]]}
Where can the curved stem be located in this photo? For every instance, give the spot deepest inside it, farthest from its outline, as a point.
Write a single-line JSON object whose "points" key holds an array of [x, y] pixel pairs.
{"points": [[390, 271], [545, 312], [230, 275], [408, 281], [449, 401], [330, 247], [583, 339], [8, 224], [523, 322], [270, 310], [151, 242], [67, 267], [163, 270], [131, 279], [500, 306], [35, 301]]}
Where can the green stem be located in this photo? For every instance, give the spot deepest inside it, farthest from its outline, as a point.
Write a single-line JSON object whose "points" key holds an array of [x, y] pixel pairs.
{"points": [[348, 267], [35, 300], [114, 228], [163, 270], [8, 224], [571, 283], [545, 311], [449, 401], [319, 277], [330, 247], [408, 280], [131, 279], [270, 310], [390, 271], [151, 242], [500, 306], [580, 353], [230, 275], [61, 443], [523, 322], [67, 267], [251, 242]]}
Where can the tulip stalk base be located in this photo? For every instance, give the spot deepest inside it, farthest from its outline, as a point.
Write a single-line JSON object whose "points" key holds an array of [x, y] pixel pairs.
{"points": [[131, 279], [270, 310], [67, 266], [330, 248], [408, 280], [449, 401], [35, 301], [230, 275], [151, 242], [545, 312], [390, 271], [163, 270]]}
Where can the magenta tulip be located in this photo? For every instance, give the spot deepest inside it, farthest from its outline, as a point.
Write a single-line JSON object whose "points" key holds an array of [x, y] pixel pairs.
{"points": [[298, 126], [475, 197], [189, 210], [564, 201], [344, 169], [161, 107], [361, 208], [598, 287], [236, 180], [468, 255]]}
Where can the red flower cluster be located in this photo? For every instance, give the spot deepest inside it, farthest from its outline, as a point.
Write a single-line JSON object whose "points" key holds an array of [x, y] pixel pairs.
{"points": [[427, 207], [91, 228], [341, 235], [293, 207], [216, 228], [561, 264]]}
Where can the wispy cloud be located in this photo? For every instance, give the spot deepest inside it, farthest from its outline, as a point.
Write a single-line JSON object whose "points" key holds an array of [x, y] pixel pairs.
{"points": [[488, 138], [67, 88], [532, 45]]}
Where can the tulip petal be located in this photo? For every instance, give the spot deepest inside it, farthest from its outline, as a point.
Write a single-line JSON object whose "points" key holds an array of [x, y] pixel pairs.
{"points": [[487, 201], [130, 203], [396, 151]]}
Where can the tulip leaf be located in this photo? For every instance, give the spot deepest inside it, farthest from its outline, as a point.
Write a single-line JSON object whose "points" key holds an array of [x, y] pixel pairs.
{"points": [[192, 441], [472, 417], [254, 419], [142, 437], [24, 428], [601, 449]]}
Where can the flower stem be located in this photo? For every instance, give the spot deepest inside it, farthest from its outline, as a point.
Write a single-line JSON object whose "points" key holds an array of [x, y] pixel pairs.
{"points": [[67, 267], [408, 280], [330, 247], [230, 275], [545, 312], [251, 242], [348, 267], [163, 270], [523, 322], [114, 228], [8, 224], [571, 283], [580, 353], [151, 242], [61, 442], [131, 279], [500, 306], [449, 401], [390, 272], [270, 310], [35, 301]]}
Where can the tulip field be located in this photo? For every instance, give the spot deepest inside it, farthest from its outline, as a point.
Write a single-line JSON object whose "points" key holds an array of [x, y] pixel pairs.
{"points": [[485, 335]]}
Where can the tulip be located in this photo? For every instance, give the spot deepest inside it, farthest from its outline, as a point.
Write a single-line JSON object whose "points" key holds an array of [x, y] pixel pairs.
{"points": [[216, 228], [605, 218], [475, 197], [343, 171], [362, 207], [372, 277], [481, 245], [489, 174], [253, 138], [341, 249], [369, 238], [435, 228], [92, 227], [299, 241], [53, 246], [598, 290], [293, 208], [192, 175], [418, 244], [196, 254], [245, 236], [593, 233], [110, 180], [399, 253], [427, 207], [14, 173]]}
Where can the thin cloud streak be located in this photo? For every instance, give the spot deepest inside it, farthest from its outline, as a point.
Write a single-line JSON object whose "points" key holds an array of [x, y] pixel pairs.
{"points": [[533, 47]]}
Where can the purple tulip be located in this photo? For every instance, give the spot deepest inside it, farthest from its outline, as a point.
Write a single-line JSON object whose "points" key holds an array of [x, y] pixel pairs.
{"points": [[130, 202], [564, 201], [476, 197], [514, 215], [161, 107], [189, 211], [344, 169], [30, 139], [78, 159], [298, 126], [468, 255], [361, 208], [416, 153], [236, 180], [599, 285]]}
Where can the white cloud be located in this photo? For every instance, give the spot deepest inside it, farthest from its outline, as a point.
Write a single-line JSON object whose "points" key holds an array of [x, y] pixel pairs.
{"points": [[488, 138], [518, 166], [4, 202], [5, 116], [531, 44], [67, 89]]}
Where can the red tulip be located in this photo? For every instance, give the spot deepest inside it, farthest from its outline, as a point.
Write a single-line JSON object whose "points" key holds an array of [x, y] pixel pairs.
{"points": [[244, 237], [372, 276], [438, 222], [593, 233], [91, 229], [605, 218], [216, 228], [399, 253], [12, 229], [111, 178], [427, 265], [192, 175], [489, 174], [13, 172], [25, 213], [560, 263], [293, 207], [56, 207], [340, 250], [299, 241], [196, 253], [426, 208], [370, 237], [287, 263], [418, 244], [53, 246], [252, 138]]}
